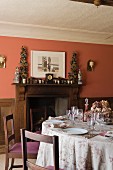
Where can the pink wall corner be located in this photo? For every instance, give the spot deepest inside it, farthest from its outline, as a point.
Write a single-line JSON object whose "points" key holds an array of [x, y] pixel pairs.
{"points": [[97, 83]]}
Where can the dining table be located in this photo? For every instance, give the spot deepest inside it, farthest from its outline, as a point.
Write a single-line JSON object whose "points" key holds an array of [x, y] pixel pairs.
{"points": [[80, 148]]}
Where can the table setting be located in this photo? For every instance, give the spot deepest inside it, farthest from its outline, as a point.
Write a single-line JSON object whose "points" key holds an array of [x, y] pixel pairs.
{"points": [[83, 144]]}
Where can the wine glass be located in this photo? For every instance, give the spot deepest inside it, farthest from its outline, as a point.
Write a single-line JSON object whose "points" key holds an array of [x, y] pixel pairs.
{"points": [[91, 121], [74, 110], [68, 113], [80, 114], [73, 113], [101, 122]]}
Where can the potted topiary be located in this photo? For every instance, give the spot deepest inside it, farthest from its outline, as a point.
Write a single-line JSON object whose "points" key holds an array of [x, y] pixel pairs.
{"points": [[23, 65]]}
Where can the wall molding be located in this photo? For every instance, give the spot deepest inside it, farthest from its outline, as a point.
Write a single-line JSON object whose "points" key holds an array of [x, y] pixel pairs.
{"points": [[54, 33]]}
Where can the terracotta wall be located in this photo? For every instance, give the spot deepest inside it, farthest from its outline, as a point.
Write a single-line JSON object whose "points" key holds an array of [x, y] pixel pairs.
{"points": [[96, 84]]}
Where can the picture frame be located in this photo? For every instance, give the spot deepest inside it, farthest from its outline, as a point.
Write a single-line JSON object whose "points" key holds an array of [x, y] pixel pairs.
{"points": [[47, 62]]}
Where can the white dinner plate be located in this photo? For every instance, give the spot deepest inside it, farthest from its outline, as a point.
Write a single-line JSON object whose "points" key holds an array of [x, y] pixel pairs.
{"points": [[75, 131], [54, 121]]}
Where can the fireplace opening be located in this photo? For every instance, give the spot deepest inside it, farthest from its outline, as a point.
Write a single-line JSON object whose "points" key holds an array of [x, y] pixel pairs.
{"points": [[42, 108]]}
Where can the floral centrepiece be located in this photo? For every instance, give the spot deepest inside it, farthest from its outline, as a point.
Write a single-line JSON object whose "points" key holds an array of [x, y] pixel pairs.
{"points": [[102, 107]]}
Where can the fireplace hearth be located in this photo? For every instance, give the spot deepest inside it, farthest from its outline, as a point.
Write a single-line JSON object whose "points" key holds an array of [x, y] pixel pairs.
{"points": [[42, 108]]}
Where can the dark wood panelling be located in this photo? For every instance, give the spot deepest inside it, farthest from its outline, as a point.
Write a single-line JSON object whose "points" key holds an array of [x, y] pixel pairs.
{"points": [[18, 108], [7, 106]]}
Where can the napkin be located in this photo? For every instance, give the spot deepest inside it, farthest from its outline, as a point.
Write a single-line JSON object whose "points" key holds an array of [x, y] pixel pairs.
{"points": [[61, 125], [109, 133], [61, 118], [58, 118], [50, 118]]}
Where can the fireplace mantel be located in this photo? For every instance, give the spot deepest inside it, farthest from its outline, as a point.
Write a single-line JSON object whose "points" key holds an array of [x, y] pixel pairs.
{"points": [[38, 90], [29, 91]]}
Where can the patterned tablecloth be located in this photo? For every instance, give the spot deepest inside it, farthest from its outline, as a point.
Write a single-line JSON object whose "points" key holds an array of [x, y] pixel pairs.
{"points": [[78, 152]]}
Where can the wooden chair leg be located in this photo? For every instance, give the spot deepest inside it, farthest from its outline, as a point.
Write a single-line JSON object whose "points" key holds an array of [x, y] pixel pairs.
{"points": [[12, 163], [6, 162]]}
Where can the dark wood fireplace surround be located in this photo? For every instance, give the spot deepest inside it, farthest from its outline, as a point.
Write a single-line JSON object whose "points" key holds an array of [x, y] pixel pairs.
{"points": [[34, 96]]}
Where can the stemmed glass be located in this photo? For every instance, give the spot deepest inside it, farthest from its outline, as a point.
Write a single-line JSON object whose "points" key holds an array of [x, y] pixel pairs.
{"points": [[101, 121], [91, 121], [68, 113], [73, 113], [74, 110], [80, 114]]}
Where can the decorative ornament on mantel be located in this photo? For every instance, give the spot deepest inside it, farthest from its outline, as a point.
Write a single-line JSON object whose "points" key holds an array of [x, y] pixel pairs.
{"points": [[16, 76], [73, 75], [79, 77], [23, 65]]}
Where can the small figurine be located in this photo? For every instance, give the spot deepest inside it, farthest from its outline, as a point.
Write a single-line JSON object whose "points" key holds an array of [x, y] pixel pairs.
{"points": [[17, 76], [79, 77]]}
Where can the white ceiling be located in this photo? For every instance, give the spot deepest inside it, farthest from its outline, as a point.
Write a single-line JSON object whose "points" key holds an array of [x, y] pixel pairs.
{"points": [[57, 20]]}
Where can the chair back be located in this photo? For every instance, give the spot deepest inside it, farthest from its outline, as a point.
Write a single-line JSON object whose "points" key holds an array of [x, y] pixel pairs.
{"points": [[9, 132], [35, 113], [41, 138]]}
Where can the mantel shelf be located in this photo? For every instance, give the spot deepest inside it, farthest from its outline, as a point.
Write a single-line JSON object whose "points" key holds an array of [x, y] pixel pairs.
{"points": [[64, 85]]}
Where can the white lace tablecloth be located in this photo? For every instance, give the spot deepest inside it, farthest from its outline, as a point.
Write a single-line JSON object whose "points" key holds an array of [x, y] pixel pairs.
{"points": [[77, 152]]}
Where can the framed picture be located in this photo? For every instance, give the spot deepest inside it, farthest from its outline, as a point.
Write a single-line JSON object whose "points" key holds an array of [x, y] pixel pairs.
{"points": [[44, 62]]}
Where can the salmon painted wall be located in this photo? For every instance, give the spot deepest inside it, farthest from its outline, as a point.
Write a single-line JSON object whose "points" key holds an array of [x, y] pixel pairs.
{"points": [[97, 83]]}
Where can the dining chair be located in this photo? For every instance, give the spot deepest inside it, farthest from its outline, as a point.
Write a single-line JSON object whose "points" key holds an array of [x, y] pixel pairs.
{"points": [[42, 138], [12, 149]]}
